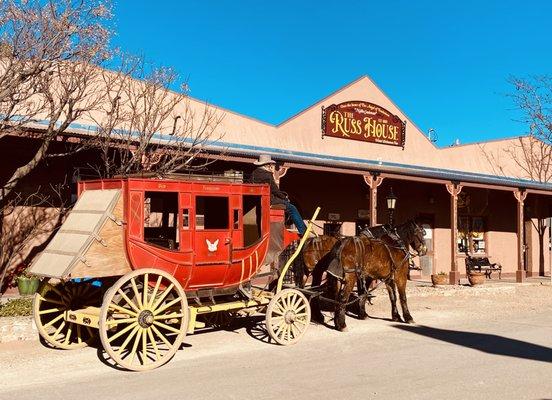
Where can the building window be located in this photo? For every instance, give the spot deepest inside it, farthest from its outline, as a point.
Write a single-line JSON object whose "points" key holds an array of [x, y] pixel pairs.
{"points": [[471, 235]]}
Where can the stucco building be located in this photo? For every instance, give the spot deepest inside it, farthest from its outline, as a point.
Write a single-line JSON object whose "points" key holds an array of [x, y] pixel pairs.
{"points": [[472, 198]]}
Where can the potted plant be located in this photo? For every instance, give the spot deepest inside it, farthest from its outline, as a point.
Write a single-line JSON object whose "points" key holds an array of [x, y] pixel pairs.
{"points": [[439, 279], [27, 284], [476, 278]]}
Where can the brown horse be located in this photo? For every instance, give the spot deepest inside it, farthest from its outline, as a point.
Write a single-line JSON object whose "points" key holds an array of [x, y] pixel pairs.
{"points": [[313, 251], [361, 259]]}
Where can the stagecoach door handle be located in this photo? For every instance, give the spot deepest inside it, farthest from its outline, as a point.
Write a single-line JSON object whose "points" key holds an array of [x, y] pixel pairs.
{"points": [[227, 240]]}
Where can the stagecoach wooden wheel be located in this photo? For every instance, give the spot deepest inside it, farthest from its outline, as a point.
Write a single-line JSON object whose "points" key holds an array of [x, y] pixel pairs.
{"points": [[143, 319], [50, 304], [287, 316]]}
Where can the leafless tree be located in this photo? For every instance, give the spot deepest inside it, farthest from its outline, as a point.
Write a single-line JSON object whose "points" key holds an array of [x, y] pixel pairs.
{"points": [[29, 220], [531, 154], [147, 127], [49, 51]]}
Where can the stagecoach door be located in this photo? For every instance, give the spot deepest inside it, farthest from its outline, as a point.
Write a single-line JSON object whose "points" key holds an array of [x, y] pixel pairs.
{"points": [[212, 240]]}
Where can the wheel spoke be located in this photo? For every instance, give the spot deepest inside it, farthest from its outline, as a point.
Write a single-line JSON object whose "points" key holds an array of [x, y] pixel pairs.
{"points": [[301, 307], [168, 316], [163, 295], [297, 302], [121, 321], [154, 343], [129, 302], [58, 330], [144, 341], [79, 334], [169, 304], [136, 293], [293, 331], [167, 327], [122, 332], [280, 308], [281, 327], [68, 334], [161, 336], [122, 309], [145, 289], [128, 339], [49, 311], [135, 345], [48, 300], [155, 289], [52, 322]]}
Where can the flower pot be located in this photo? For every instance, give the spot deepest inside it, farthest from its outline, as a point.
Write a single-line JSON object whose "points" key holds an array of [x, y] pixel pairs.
{"points": [[27, 286], [476, 278], [439, 279]]}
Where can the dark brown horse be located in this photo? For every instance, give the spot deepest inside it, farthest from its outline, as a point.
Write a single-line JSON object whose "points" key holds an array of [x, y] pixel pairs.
{"points": [[316, 248], [361, 259]]}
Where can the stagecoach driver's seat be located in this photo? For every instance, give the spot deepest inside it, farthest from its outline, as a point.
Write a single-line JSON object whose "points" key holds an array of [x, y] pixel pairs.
{"points": [[264, 173]]}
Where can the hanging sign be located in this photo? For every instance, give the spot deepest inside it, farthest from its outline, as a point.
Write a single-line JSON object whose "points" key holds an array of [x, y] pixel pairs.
{"points": [[360, 120]]}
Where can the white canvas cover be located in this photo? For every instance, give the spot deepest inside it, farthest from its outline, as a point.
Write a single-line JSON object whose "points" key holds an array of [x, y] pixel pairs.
{"points": [[75, 236]]}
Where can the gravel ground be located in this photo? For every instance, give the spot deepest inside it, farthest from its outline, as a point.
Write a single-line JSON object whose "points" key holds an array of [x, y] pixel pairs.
{"points": [[468, 343]]}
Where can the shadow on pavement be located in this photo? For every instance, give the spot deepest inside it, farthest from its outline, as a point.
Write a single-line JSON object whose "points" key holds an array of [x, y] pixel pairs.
{"points": [[488, 343]]}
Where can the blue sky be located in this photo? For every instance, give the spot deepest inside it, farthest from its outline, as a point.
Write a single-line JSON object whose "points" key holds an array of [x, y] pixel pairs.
{"points": [[444, 63]]}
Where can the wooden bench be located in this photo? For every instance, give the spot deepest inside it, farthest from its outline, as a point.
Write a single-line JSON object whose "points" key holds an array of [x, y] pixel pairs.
{"points": [[482, 264]]}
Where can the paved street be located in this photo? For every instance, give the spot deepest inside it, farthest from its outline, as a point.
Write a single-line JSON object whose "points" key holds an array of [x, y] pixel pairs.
{"points": [[489, 346]]}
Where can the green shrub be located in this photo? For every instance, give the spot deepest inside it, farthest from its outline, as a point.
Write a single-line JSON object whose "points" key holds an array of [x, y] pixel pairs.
{"points": [[17, 308]]}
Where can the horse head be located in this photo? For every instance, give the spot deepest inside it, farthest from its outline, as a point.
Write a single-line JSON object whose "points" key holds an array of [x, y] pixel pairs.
{"points": [[413, 235]]}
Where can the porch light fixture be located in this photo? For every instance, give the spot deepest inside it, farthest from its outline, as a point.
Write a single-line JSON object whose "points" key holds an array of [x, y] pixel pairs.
{"points": [[391, 204]]}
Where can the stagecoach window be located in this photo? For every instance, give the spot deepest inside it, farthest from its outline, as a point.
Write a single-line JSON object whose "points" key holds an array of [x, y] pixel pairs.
{"points": [[236, 219], [160, 215], [186, 219], [251, 219], [212, 212]]}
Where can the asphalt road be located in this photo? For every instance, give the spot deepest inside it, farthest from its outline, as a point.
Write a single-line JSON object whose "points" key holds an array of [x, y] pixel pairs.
{"points": [[490, 346]]}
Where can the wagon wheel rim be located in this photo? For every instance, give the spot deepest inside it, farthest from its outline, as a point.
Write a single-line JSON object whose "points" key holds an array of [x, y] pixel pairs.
{"points": [[287, 316], [143, 319], [50, 304]]}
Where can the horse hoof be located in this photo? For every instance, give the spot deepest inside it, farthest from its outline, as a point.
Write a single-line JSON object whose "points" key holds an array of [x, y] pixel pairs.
{"points": [[343, 329], [396, 319], [409, 321]]}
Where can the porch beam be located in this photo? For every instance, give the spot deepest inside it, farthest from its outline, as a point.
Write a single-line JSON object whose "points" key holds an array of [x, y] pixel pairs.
{"points": [[520, 196], [454, 189]]}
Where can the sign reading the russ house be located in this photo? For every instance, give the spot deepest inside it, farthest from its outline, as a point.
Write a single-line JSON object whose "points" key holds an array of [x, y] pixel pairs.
{"points": [[360, 120]]}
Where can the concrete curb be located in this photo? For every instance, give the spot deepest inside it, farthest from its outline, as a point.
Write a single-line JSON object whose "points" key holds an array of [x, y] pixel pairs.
{"points": [[17, 329]]}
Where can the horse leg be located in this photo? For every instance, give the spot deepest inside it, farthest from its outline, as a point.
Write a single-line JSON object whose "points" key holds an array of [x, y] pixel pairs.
{"points": [[342, 299], [331, 289], [390, 285], [401, 288], [362, 297]]}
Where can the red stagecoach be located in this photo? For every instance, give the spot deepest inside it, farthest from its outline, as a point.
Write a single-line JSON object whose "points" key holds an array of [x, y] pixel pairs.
{"points": [[139, 259]]}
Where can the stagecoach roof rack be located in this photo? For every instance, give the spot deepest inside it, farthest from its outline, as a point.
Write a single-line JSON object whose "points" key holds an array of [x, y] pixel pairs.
{"points": [[227, 176]]}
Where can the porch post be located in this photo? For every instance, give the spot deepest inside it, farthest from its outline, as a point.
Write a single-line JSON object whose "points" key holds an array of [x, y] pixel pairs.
{"points": [[373, 181], [520, 196], [454, 189]]}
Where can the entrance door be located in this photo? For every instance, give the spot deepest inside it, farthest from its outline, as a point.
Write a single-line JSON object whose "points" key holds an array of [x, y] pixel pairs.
{"points": [[212, 240], [426, 261]]}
